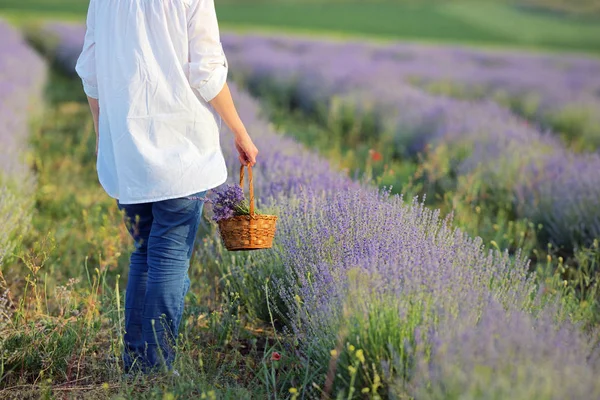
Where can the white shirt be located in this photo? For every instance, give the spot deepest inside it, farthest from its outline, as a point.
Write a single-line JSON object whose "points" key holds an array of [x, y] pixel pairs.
{"points": [[154, 65]]}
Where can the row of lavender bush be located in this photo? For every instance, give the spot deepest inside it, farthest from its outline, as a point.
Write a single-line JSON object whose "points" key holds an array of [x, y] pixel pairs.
{"points": [[22, 78], [394, 294], [519, 163], [437, 314], [561, 90]]}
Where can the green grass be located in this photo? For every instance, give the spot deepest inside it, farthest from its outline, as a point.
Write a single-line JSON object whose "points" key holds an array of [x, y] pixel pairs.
{"points": [[466, 21], [480, 23], [22, 12], [529, 27], [422, 21]]}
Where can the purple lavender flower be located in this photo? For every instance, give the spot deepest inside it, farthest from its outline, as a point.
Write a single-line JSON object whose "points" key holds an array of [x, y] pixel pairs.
{"points": [[229, 201], [22, 78], [63, 42]]}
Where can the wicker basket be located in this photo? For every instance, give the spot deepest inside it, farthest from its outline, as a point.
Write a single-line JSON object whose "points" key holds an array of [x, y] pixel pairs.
{"points": [[248, 232]]}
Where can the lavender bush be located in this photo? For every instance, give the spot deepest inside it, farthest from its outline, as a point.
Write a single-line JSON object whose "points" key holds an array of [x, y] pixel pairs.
{"points": [[22, 78], [60, 42], [393, 293], [508, 355], [386, 275], [481, 137], [561, 193], [396, 282], [559, 90]]}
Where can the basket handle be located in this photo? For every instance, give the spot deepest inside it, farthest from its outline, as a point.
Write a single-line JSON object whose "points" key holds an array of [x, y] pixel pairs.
{"points": [[250, 184]]}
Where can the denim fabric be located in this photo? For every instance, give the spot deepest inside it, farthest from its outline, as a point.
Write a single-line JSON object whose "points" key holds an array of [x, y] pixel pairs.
{"points": [[164, 233]]}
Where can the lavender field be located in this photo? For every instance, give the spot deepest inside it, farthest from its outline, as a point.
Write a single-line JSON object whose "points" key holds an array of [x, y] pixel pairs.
{"points": [[367, 294], [516, 152], [22, 78], [554, 91]]}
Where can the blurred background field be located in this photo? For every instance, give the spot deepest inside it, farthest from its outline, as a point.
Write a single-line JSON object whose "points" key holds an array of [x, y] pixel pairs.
{"points": [[481, 282], [547, 24]]}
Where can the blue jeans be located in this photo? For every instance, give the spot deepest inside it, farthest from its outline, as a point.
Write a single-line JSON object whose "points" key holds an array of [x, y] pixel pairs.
{"points": [[164, 233]]}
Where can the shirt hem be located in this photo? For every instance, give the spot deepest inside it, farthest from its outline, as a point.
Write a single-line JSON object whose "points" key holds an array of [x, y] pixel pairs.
{"points": [[174, 196]]}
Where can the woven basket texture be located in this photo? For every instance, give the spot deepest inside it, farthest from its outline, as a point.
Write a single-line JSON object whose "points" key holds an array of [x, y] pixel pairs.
{"points": [[248, 232]]}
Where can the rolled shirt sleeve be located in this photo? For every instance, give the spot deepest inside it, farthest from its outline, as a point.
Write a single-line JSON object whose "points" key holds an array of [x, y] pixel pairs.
{"points": [[86, 63], [208, 66]]}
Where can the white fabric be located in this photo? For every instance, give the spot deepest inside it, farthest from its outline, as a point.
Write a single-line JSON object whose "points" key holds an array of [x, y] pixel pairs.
{"points": [[154, 66]]}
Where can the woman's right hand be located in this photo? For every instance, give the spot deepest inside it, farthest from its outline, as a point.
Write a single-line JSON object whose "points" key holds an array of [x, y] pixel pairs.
{"points": [[246, 149]]}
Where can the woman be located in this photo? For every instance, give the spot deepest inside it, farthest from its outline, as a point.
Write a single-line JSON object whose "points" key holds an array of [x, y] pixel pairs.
{"points": [[155, 75]]}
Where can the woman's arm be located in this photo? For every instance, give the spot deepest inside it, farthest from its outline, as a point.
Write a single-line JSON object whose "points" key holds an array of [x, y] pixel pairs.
{"points": [[86, 67], [95, 108], [208, 73], [223, 104]]}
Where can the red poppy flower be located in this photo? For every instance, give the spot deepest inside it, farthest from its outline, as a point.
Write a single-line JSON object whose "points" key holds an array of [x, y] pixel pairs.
{"points": [[275, 356], [375, 155]]}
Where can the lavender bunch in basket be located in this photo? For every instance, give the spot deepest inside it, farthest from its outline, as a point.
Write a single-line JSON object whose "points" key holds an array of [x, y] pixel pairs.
{"points": [[229, 202]]}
